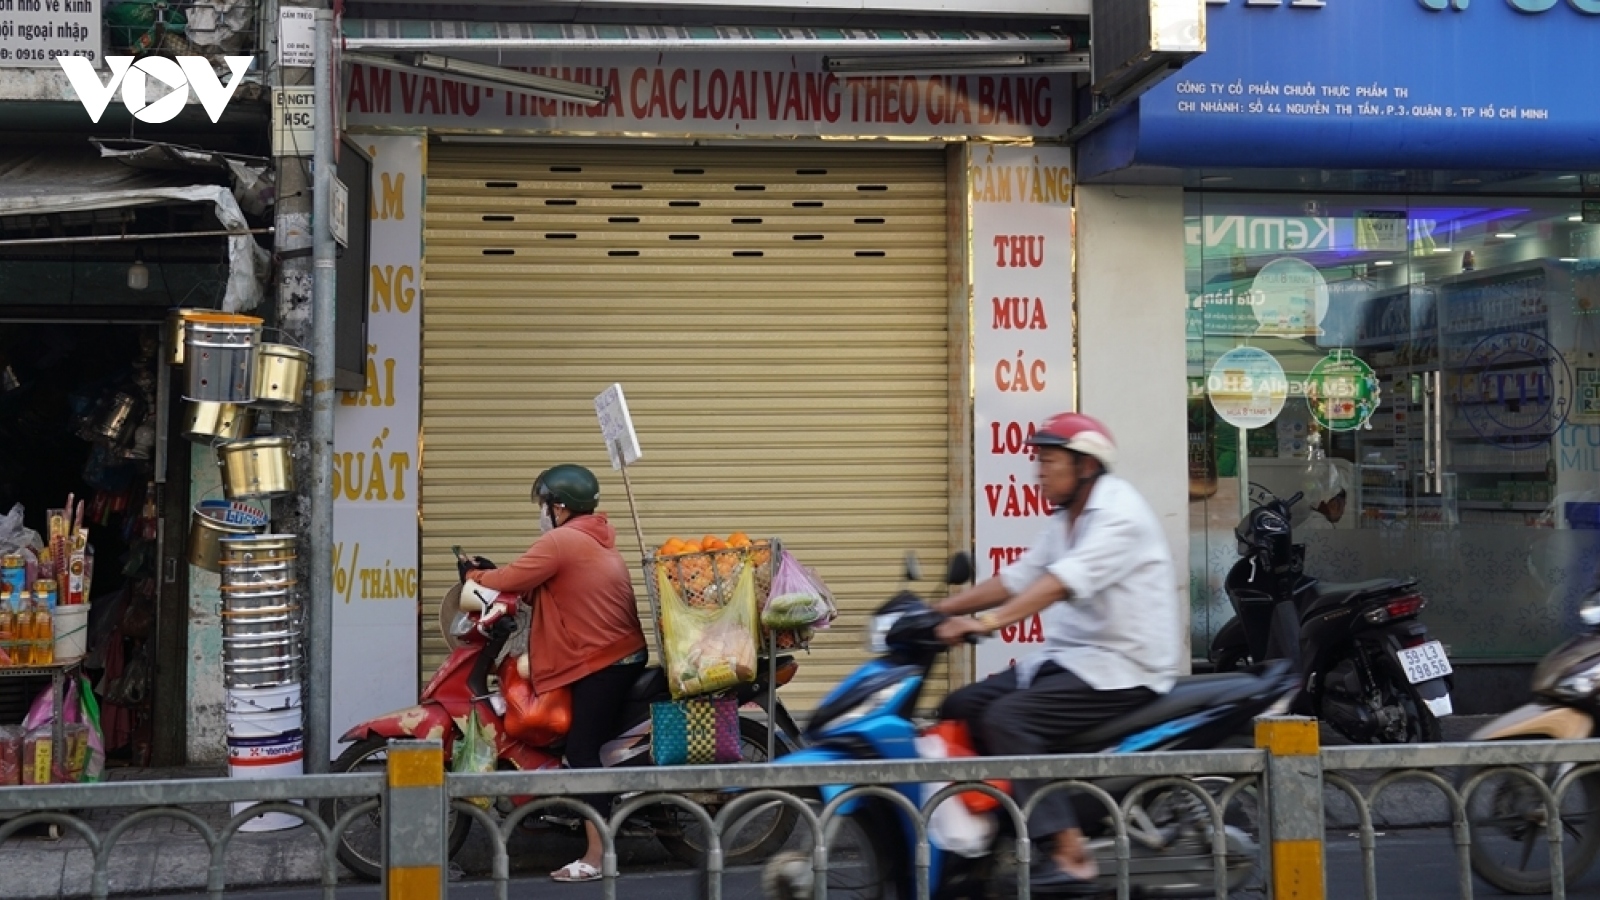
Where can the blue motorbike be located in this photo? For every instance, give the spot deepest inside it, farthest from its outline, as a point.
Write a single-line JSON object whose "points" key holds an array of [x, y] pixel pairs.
{"points": [[871, 842]]}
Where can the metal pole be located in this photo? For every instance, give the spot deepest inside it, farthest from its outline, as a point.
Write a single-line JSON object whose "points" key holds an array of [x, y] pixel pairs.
{"points": [[319, 614]]}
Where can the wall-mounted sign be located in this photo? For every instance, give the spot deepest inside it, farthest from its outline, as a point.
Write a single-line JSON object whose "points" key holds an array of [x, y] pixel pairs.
{"points": [[1383, 230], [1342, 391], [738, 94], [1289, 297], [33, 33], [1281, 87], [1022, 354], [1247, 387], [297, 36]]}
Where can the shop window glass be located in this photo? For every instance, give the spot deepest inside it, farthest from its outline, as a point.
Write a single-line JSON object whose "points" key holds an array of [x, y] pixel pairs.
{"points": [[1436, 360]]}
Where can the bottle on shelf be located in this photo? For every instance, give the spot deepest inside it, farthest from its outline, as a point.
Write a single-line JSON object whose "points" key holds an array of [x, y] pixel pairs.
{"points": [[44, 635], [8, 628]]}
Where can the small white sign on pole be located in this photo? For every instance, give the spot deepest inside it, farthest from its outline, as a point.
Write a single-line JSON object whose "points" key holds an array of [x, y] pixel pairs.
{"points": [[297, 36], [341, 213], [617, 427]]}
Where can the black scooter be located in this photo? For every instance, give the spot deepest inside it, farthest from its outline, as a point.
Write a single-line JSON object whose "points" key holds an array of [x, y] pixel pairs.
{"points": [[1368, 666]]}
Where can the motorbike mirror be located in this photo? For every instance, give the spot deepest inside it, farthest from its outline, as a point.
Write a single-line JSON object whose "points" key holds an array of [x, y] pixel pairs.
{"points": [[960, 569], [913, 566], [1589, 612]]}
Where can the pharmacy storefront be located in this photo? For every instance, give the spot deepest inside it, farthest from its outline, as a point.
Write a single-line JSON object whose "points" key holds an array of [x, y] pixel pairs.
{"points": [[770, 257], [1392, 282]]}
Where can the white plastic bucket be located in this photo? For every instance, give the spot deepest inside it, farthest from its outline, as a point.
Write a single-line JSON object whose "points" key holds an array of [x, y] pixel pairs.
{"points": [[263, 699], [265, 744], [71, 631]]}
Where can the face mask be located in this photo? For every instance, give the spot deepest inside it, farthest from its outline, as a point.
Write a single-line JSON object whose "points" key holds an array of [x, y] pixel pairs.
{"points": [[547, 518]]}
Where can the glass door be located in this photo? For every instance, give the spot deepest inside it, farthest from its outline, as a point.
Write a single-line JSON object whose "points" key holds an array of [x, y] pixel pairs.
{"points": [[1427, 371]]}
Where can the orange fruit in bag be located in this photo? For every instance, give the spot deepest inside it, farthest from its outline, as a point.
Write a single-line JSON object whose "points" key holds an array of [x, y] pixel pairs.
{"points": [[738, 539], [712, 542]]}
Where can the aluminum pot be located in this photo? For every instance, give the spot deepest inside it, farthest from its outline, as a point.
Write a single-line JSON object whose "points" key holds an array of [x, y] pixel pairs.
{"points": [[259, 468], [119, 417], [251, 575], [206, 534], [257, 597], [285, 670], [259, 649], [263, 606], [263, 626], [210, 422], [280, 376], [220, 357], [177, 333]]}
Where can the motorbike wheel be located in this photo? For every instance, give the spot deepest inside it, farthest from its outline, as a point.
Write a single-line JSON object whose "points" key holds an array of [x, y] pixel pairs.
{"points": [[361, 844], [866, 859], [1420, 724], [761, 836], [1510, 847]]}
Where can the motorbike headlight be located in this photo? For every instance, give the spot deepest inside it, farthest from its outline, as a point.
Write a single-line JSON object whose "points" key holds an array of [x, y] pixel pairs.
{"points": [[1589, 612], [1580, 685], [878, 633]]}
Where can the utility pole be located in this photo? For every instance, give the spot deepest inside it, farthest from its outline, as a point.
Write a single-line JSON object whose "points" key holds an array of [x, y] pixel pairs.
{"points": [[293, 515], [319, 616]]}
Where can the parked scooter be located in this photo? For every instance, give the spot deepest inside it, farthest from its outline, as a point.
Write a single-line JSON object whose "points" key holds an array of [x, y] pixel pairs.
{"points": [[1510, 839], [871, 842], [1369, 668], [529, 732]]}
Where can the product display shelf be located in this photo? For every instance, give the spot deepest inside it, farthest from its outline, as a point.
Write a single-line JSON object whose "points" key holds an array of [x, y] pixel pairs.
{"points": [[58, 674], [1500, 447]]}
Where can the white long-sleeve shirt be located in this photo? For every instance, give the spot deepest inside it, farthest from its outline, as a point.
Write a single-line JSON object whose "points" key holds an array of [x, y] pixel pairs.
{"points": [[1120, 626]]}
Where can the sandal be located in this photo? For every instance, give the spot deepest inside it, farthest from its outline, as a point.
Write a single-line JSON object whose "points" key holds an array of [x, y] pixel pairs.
{"points": [[577, 870]]}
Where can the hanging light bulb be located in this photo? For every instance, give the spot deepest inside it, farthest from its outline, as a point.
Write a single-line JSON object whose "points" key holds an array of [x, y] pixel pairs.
{"points": [[138, 274]]}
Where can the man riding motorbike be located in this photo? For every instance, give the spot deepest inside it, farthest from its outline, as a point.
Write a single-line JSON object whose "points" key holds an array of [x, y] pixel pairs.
{"points": [[585, 632], [1101, 577]]}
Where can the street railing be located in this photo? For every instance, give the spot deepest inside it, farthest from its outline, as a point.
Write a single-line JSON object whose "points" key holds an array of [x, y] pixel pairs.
{"points": [[1286, 779]]}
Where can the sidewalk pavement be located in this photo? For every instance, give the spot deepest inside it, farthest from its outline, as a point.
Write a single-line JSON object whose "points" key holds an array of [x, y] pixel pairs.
{"points": [[167, 855]]}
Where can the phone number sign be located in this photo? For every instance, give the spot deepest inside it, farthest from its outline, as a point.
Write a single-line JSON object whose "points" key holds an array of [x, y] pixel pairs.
{"points": [[34, 32]]}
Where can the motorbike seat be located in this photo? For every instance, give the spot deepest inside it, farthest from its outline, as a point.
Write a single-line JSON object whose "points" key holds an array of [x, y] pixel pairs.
{"points": [[1331, 596], [650, 684], [1189, 695]]}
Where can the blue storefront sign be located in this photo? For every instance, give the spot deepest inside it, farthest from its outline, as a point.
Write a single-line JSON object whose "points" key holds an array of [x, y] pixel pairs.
{"points": [[1434, 84]]}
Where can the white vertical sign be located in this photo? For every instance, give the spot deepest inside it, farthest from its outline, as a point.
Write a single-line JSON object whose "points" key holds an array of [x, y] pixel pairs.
{"points": [[1022, 351], [297, 36], [622, 442], [376, 588]]}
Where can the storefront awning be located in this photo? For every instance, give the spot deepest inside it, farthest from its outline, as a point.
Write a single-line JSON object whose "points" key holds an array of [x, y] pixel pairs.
{"points": [[43, 182], [414, 34]]}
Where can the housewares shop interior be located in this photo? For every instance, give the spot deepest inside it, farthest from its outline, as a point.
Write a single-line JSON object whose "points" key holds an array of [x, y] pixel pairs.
{"points": [[91, 411]]}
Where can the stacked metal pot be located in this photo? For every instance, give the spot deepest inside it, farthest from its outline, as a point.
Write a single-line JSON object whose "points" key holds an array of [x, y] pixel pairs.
{"points": [[229, 375]]}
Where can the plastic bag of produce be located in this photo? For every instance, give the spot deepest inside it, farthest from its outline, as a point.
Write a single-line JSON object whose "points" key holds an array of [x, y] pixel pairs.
{"points": [[475, 752], [798, 599], [708, 649]]}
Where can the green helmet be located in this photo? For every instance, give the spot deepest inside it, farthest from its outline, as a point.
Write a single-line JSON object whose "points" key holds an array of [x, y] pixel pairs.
{"points": [[572, 486]]}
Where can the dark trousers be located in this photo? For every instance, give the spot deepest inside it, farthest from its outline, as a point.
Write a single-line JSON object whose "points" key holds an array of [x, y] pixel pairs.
{"points": [[597, 703], [1007, 720]]}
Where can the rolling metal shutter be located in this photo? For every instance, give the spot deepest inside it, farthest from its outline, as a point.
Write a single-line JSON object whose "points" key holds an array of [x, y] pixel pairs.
{"points": [[777, 318]]}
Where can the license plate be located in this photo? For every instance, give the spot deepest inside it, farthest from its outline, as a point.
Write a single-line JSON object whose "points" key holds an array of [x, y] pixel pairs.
{"points": [[1425, 662]]}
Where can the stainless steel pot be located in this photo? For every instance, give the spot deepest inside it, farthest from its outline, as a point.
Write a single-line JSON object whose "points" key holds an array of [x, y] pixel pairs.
{"points": [[256, 576], [220, 357], [259, 649], [280, 379], [262, 625], [258, 598], [210, 422], [206, 534], [285, 670], [260, 467], [177, 333]]}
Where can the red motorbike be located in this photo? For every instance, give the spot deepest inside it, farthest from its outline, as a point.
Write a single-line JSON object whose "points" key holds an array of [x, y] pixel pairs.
{"points": [[529, 730]]}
